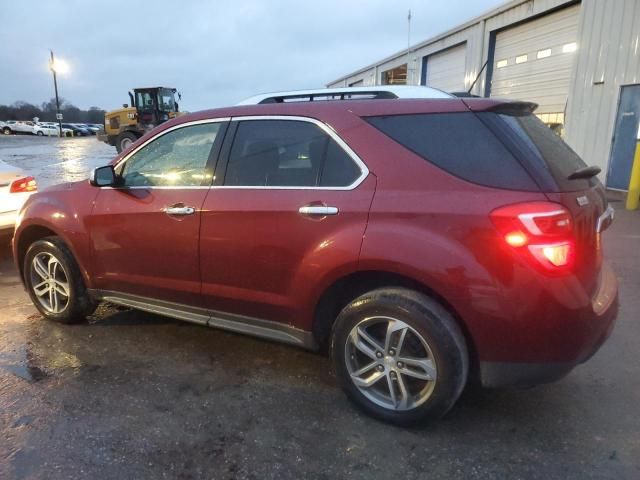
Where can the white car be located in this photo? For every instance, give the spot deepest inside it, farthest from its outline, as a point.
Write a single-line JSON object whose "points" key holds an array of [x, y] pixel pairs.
{"points": [[50, 130], [17, 126], [15, 188]]}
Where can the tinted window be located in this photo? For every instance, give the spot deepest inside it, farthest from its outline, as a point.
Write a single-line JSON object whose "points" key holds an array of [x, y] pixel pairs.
{"points": [[287, 153], [460, 144], [177, 158], [548, 150]]}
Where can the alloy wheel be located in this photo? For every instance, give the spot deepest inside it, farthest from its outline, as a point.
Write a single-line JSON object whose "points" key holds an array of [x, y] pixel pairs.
{"points": [[50, 282], [390, 363]]}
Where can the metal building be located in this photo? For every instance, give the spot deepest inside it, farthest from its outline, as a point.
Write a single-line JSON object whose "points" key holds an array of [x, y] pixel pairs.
{"points": [[579, 60]]}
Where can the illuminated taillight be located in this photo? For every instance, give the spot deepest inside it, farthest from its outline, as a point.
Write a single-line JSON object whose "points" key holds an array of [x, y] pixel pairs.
{"points": [[540, 231], [26, 184]]}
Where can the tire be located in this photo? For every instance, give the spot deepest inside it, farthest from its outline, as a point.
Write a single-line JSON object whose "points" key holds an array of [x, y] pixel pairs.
{"points": [[124, 140], [76, 304], [6, 131], [432, 347], [40, 134]]}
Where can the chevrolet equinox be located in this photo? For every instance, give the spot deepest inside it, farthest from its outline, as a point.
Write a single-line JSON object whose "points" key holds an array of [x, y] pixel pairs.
{"points": [[424, 242]]}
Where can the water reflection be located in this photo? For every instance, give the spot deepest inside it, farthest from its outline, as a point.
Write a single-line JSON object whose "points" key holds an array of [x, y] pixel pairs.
{"points": [[55, 160]]}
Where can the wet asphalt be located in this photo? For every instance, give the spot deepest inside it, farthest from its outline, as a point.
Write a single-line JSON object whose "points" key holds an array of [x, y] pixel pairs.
{"points": [[134, 395]]}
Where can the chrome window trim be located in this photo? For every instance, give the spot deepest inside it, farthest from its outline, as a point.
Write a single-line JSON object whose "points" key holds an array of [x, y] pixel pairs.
{"points": [[364, 171], [164, 132]]}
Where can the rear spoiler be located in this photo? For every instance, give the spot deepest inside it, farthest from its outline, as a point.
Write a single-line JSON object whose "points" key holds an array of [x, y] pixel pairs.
{"points": [[508, 107]]}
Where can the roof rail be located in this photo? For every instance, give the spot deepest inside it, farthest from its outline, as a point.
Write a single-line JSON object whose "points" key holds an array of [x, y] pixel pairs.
{"points": [[347, 93]]}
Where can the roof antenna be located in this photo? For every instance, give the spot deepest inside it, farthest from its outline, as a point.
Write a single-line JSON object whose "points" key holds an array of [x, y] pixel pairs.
{"points": [[477, 77], [408, 46]]}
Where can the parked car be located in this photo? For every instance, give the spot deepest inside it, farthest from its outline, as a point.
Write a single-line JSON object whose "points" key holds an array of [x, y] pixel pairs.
{"points": [[15, 188], [89, 128], [77, 131], [50, 130], [17, 126], [425, 242]]}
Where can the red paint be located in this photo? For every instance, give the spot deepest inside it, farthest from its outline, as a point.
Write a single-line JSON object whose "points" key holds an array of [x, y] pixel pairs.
{"points": [[249, 251]]}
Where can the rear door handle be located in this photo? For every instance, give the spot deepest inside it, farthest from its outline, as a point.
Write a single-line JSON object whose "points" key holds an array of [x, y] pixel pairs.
{"points": [[320, 210], [179, 210]]}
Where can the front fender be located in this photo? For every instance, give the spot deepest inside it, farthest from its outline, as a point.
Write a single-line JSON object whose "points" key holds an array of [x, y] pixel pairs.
{"points": [[60, 210]]}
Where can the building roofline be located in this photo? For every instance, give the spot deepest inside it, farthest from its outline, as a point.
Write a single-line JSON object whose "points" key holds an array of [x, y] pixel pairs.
{"points": [[483, 17]]}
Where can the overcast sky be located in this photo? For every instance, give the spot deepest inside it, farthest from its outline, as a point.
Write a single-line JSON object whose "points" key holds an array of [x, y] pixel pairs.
{"points": [[215, 52]]}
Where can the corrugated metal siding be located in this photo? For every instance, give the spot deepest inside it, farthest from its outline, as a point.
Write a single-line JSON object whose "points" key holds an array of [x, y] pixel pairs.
{"points": [[608, 57], [542, 80], [476, 35], [446, 70]]}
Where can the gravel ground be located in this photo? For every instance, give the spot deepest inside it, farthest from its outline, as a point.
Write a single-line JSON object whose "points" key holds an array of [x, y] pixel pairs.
{"points": [[134, 395]]}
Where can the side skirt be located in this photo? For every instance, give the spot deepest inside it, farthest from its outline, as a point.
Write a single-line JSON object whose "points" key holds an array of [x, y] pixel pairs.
{"points": [[211, 318]]}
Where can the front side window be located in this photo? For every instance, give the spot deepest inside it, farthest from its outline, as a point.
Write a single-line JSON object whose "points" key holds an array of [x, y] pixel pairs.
{"points": [[144, 100], [287, 153], [178, 158]]}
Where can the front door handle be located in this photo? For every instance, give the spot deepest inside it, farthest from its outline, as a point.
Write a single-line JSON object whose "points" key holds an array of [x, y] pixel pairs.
{"points": [[179, 210], [320, 210]]}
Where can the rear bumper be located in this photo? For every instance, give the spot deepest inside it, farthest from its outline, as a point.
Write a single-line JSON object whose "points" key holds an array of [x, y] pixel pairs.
{"points": [[592, 326]]}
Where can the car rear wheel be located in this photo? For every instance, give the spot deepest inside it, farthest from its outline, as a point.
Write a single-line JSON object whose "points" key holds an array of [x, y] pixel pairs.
{"points": [[399, 355], [54, 282], [6, 131]]}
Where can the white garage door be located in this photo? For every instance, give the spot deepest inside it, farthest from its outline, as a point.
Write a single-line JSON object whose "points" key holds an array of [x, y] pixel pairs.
{"points": [[533, 62], [446, 69]]}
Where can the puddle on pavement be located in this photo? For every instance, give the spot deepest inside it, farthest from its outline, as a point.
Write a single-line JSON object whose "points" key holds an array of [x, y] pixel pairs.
{"points": [[18, 358], [19, 363]]}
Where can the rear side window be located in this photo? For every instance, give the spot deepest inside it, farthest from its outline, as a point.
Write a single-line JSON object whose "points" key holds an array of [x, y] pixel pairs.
{"points": [[460, 144], [287, 153]]}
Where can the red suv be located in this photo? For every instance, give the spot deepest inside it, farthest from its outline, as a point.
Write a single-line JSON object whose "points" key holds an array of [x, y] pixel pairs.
{"points": [[426, 243]]}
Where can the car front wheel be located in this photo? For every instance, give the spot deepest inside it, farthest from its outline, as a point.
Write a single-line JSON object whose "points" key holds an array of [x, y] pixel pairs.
{"points": [[124, 141], [54, 282], [399, 355]]}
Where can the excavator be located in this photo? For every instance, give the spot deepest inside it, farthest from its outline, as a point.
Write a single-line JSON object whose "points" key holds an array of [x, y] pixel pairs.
{"points": [[150, 106]]}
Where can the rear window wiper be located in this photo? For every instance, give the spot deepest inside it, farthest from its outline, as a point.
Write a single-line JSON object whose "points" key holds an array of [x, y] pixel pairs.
{"points": [[585, 172]]}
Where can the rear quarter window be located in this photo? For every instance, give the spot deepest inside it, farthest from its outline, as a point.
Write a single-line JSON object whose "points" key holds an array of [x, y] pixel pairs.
{"points": [[547, 150], [460, 144]]}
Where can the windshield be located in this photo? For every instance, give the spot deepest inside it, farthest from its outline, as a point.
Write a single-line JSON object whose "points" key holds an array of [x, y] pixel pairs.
{"points": [[166, 100]]}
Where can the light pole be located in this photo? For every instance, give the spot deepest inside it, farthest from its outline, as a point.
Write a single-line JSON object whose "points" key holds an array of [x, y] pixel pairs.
{"points": [[53, 68]]}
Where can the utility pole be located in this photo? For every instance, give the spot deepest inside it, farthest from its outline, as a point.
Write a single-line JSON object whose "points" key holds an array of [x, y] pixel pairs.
{"points": [[52, 67]]}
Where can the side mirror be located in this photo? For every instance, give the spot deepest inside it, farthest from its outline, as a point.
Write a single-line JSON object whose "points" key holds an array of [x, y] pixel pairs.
{"points": [[125, 105], [103, 176]]}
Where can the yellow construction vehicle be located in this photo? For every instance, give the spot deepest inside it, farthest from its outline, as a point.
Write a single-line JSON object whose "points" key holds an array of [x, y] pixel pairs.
{"points": [[149, 107]]}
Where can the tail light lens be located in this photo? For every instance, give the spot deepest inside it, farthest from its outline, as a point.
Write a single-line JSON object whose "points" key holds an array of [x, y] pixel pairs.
{"points": [[540, 231], [26, 184]]}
